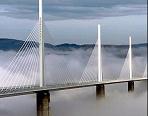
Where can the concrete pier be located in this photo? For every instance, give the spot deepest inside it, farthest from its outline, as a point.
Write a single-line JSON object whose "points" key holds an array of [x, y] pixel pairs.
{"points": [[130, 86], [100, 90], [43, 100]]}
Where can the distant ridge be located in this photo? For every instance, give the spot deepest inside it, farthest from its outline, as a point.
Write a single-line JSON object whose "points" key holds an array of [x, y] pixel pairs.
{"points": [[12, 44]]}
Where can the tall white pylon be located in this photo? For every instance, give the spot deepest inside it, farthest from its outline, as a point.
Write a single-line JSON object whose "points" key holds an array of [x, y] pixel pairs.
{"points": [[100, 78], [130, 58], [41, 43]]}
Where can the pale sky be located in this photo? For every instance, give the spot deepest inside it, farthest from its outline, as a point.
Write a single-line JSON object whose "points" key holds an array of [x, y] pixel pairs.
{"points": [[75, 21]]}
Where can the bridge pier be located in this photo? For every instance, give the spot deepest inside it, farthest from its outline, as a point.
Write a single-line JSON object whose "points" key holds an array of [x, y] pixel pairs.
{"points": [[100, 90], [130, 86], [43, 100]]}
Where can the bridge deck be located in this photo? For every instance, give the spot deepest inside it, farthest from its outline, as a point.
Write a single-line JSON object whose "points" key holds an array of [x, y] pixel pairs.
{"points": [[31, 90]]}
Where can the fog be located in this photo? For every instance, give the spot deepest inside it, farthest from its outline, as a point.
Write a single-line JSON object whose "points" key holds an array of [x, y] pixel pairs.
{"points": [[81, 102]]}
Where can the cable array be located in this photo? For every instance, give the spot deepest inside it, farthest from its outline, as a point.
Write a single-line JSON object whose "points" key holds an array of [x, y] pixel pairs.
{"points": [[22, 72], [145, 72], [60, 72], [124, 73], [90, 73]]}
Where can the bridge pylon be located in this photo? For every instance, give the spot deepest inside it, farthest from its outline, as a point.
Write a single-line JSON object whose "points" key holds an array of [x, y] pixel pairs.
{"points": [[41, 43], [130, 58], [43, 97], [100, 77], [130, 83], [100, 88]]}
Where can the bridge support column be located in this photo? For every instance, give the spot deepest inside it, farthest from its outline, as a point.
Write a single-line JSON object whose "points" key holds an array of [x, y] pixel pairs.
{"points": [[100, 90], [130, 86], [43, 100]]}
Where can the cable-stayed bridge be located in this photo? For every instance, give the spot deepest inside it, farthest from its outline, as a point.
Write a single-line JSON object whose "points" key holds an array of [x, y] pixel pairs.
{"points": [[22, 76], [26, 72]]}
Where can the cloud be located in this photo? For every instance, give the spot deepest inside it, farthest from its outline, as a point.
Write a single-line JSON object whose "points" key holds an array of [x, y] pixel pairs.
{"points": [[74, 2], [69, 9], [80, 101], [68, 66], [71, 12]]}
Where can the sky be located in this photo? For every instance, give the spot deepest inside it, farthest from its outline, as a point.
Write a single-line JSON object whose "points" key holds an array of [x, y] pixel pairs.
{"points": [[75, 21]]}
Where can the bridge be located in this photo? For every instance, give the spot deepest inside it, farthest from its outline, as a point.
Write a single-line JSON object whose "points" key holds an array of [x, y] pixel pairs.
{"points": [[26, 72]]}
